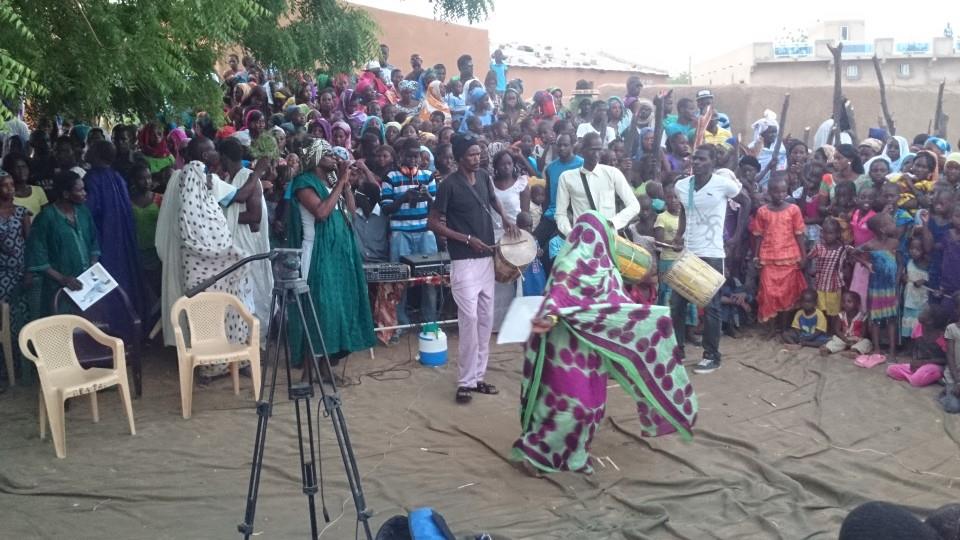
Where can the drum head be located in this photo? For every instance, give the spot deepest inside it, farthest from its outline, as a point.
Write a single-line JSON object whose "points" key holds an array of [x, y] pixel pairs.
{"points": [[519, 251]]}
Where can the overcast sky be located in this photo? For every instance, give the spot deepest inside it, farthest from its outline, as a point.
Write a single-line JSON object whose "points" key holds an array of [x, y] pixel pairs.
{"points": [[633, 30]]}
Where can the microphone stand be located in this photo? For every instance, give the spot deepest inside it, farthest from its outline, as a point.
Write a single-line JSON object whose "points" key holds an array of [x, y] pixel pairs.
{"points": [[291, 293]]}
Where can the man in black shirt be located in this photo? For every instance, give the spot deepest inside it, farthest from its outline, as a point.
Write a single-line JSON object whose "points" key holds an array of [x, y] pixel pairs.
{"points": [[463, 214]]}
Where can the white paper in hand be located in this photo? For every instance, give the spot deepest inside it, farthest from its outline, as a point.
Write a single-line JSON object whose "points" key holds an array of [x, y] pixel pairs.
{"points": [[518, 323], [97, 282]]}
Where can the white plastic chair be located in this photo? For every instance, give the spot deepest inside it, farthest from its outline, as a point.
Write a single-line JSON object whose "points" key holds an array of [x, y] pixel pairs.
{"points": [[206, 320], [48, 342], [6, 340]]}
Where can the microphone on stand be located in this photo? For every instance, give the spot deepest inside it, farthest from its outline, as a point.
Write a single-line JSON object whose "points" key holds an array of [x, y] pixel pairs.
{"points": [[207, 283]]}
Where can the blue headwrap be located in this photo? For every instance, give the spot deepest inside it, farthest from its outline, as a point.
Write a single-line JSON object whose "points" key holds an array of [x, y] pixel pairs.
{"points": [[943, 145], [372, 122], [476, 95]]}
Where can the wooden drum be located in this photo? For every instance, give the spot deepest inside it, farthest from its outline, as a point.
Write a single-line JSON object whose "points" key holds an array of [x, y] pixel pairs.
{"points": [[694, 279], [635, 261], [513, 255]]}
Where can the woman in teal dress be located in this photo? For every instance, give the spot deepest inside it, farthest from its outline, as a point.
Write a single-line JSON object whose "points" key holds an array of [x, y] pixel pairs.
{"points": [[319, 222], [63, 240], [588, 329]]}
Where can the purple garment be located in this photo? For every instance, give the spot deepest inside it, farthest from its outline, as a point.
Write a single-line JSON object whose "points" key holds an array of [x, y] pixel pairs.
{"points": [[112, 212], [950, 279]]}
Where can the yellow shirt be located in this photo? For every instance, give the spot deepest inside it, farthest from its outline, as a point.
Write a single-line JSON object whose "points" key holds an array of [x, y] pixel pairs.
{"points": [[720, 137], [669, 223], [32, 202]]}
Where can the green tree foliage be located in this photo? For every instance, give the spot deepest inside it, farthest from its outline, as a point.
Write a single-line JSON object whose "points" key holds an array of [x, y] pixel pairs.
{"points": [[16, 79], [92, 57]]}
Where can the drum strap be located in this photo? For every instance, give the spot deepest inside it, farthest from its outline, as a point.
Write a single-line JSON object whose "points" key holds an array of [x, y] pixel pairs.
{"points": [[586, 189]]}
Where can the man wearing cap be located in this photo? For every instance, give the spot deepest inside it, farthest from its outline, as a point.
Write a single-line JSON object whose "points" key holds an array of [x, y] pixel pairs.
{"points": [[704, 100]]}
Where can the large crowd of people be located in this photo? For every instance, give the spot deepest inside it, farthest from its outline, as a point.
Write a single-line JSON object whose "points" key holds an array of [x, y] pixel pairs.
{"points": [[843, 247]]}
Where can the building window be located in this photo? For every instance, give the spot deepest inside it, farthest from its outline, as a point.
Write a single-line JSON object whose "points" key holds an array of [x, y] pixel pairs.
{"points": [[853, 71], [844, 33], [904, 70]]}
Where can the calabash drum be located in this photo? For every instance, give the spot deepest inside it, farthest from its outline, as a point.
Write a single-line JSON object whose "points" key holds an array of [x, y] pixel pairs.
{"points": [[635, 261], [513, 255], [694, 279]]}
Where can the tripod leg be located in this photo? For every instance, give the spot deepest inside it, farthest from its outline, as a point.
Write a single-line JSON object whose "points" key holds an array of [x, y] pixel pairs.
{"points": [[331, 404], [264, 410], [301, 394]]}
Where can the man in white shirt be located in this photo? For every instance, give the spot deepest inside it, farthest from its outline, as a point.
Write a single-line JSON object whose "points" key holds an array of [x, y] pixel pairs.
{"points": [[605, 184], [599, 124], [704, 198]]}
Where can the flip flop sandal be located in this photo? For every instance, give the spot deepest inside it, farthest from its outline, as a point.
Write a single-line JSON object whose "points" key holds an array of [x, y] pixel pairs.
{"points": [[484, 388], [463, 395]]}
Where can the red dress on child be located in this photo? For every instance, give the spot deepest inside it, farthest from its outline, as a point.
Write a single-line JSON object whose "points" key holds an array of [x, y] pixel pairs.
{"points": [[781, 278]]}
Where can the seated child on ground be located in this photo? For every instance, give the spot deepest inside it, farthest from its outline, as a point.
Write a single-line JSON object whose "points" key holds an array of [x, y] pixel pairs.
{"points": [[809, 328], [929, 350], [851, 332]]}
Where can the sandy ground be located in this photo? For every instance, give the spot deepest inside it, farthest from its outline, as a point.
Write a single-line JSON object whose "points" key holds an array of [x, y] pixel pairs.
{"points": [[785, 445]]}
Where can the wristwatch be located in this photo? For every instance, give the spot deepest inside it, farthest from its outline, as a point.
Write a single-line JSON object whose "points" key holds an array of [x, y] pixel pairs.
{"points": [[467, 241]]}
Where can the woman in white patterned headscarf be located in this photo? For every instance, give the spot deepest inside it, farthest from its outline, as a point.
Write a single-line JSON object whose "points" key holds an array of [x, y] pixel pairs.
{"points": [[320, 224], [208, 248]]}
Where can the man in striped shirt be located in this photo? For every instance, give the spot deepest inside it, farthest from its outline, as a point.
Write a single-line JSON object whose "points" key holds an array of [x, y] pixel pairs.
{"points": [[405, 197]]}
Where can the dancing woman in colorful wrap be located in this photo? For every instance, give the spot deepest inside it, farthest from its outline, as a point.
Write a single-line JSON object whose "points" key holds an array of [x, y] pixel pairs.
{"points": [[586, 331]]}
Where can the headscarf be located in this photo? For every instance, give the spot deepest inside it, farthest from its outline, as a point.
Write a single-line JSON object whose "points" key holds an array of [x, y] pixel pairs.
{"points": [[653, 115], [904, 150], [203, 226], [393, 125], [178, 140], [374, 121], [942, 144], [829, 152], [873, 144], [869, 163], [342, 153], [324, 126], [768, 120], [226, 131], [953, 158], [432, 167], [433, 101], [475, 96], [346, 129], [408, 85], [315, 152], [151, 145], [626, 115], [640, 153]]}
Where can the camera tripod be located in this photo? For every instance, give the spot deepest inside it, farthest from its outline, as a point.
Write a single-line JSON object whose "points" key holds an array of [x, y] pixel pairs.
{"points": [[291, 292]]}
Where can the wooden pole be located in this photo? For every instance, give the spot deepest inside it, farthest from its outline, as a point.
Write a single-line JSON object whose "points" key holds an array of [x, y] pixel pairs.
{"points": [[848, 108], [837, 89], [937, 118], [887, 117], [658, 134], [775, 157], [806, 136]]}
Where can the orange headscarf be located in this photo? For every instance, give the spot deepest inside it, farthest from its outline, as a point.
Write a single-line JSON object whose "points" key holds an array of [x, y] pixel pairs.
{"points": [[433, 101]]}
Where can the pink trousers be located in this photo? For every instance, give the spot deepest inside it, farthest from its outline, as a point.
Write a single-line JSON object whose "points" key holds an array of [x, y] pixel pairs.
{"points": [[925, 375], [472, 281]]}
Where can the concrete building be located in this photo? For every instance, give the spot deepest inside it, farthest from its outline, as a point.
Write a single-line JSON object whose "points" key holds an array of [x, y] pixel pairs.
{"points": [[544, 66], [538, 67], [810, 63]]}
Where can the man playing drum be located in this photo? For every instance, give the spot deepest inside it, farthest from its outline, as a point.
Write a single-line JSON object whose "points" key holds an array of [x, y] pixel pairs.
{"points": [[463, 214], [594, 186], [703, 198]]}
